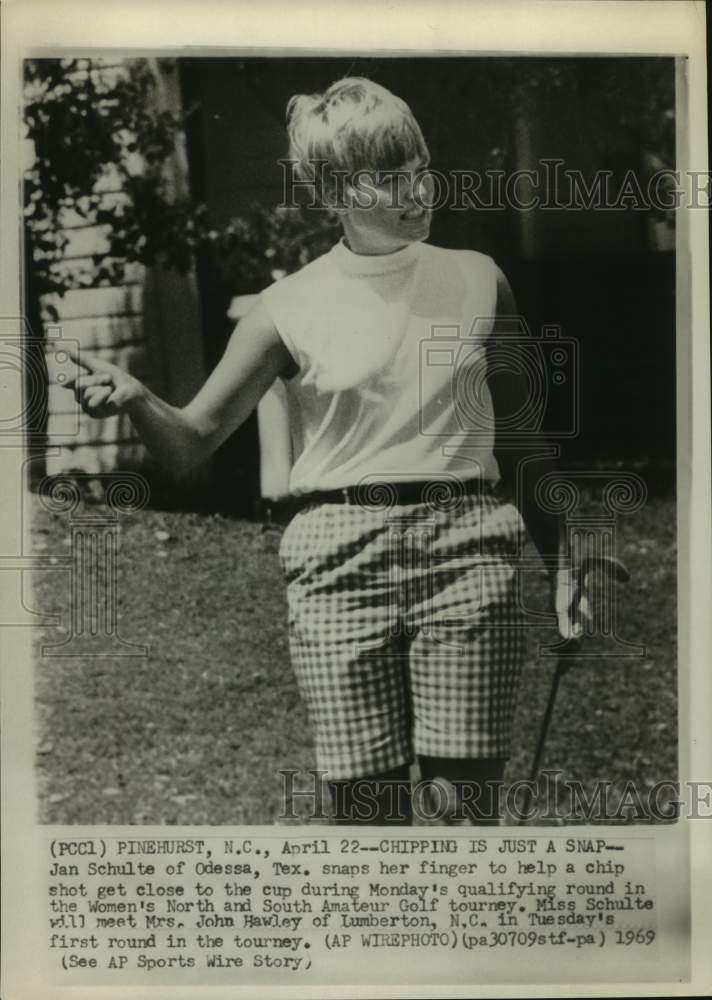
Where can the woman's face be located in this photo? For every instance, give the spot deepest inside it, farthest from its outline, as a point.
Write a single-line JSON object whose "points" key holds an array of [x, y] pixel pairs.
{"points": [[385, 211]]}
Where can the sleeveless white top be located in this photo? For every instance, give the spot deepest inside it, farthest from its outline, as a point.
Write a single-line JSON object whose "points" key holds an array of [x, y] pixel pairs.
{"points": [[390, 351]]}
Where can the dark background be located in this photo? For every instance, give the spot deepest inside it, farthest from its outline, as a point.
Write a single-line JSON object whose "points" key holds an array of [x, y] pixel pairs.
{"points": [[598, 275]]}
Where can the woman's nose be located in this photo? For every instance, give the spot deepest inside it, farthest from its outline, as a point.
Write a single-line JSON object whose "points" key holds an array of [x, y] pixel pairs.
{"points": [[422, 189]]}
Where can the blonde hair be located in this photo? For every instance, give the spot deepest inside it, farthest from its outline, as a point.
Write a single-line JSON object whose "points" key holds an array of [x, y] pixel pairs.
{"points": [[353, 126]]}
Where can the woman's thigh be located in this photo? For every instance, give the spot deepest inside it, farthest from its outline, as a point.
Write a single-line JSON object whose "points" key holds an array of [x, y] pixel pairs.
{"points": [[467, 647], [347, 651]]}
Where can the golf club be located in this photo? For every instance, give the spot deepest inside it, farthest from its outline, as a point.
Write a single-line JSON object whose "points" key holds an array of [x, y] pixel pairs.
{"points": [[615, 572]]}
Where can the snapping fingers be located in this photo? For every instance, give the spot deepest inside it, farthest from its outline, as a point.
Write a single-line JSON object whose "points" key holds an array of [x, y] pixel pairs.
{"points": [[84, 384], [94, 399]]}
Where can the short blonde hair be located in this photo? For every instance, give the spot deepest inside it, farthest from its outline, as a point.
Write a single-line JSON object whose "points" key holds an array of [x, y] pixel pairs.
{"points": [[355, 125]]}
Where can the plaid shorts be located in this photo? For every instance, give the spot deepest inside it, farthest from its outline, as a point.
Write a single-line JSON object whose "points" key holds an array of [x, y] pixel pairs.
{"points": [[405, 629]]}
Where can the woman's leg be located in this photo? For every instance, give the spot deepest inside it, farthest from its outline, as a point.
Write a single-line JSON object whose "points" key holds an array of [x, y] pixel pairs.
{"points": [[350, 662], [373, 800], [475, 784], [466, 657]]}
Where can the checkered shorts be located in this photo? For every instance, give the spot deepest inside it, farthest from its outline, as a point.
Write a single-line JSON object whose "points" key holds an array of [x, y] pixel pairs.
{"points": [[405, 629]]}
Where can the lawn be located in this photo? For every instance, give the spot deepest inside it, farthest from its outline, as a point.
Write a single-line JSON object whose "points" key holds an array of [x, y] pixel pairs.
{"points": [[195, 732]]}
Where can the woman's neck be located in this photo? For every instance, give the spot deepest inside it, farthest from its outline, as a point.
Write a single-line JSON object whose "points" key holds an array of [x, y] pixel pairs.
{"points": [[370, 252], [386, 262]]}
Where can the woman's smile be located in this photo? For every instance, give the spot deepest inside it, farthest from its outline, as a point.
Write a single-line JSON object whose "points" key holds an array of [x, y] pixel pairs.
{"points": [[413, 214]]}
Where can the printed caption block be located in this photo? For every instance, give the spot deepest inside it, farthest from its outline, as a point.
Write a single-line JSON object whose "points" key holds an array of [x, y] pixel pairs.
{"points": [[271, 908]]}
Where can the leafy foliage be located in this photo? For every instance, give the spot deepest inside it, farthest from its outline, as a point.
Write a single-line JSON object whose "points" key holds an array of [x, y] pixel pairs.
{"points": [[265, 244], [100, 149]]}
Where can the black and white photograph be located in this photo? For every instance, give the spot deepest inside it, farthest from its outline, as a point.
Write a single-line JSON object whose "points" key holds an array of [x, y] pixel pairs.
{"points": [[414, 358], [355, 492]]}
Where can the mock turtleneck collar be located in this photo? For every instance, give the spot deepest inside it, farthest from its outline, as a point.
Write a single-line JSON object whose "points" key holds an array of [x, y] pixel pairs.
{"points": [[382, 263]]}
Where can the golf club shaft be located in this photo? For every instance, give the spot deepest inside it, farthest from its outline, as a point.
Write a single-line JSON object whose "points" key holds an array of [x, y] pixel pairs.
{"points": [[542, 739]]}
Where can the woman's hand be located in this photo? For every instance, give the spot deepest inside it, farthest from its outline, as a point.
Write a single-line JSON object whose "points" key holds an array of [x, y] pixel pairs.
{"points": [[181, 437], [101, 389], [569, 602]]}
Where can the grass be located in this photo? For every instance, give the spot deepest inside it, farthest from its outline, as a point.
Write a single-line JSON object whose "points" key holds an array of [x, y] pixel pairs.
{"points": [[195, 732]]}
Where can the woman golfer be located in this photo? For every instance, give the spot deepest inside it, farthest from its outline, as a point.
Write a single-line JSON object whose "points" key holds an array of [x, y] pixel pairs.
{"points": [[404, 620]]}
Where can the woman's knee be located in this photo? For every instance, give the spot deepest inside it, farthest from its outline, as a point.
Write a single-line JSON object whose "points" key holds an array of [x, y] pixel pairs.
{"points": [[467, 790]]}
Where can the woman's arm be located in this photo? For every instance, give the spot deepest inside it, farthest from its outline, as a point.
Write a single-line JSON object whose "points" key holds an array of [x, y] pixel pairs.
{"points": [[510, 391], [181, 437], [521, 470]]}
